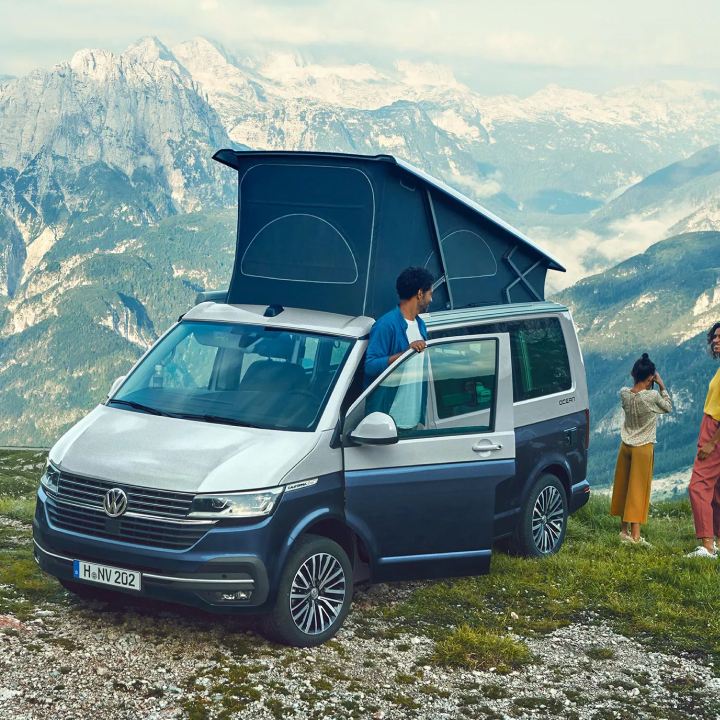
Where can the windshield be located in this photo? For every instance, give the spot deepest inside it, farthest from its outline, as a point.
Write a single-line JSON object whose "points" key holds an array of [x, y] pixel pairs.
{"points": [[237, 374]]}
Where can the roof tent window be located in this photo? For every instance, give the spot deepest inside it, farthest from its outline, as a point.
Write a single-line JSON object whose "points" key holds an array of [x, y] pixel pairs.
{"points": [[324, 256], [468, 256], [306, 223]]}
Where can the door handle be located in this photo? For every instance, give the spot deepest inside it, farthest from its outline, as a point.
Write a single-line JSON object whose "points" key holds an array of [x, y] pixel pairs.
{"points": [[486, 447]]}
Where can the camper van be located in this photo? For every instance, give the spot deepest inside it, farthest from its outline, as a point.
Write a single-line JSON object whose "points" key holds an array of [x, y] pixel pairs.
{"points": [[242, 466]]}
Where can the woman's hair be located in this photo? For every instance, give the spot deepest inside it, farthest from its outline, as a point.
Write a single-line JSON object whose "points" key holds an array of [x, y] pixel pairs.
{"points": [[643, 368], [710, 336]]}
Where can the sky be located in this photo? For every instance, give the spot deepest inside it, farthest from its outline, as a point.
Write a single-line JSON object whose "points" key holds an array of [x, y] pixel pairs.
{"points": [[513, 46]]}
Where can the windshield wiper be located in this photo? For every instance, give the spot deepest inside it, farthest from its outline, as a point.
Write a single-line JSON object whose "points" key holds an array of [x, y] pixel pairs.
{"points": [[215, 419], [139, 406]]}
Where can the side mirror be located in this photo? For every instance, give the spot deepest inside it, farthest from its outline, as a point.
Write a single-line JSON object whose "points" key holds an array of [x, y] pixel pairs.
{"points": [[116, 384], [375, 429]]}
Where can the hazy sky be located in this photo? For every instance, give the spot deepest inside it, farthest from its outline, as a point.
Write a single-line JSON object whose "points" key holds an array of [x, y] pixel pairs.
{"points": [[514, 46]]}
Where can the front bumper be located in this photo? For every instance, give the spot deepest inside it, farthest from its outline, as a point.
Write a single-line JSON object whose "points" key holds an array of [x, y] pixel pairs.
{"points": [[198, 591], [227, 559]]}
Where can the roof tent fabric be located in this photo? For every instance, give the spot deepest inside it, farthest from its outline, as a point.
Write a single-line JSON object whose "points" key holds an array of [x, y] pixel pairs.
{"points": [[330, 231]]}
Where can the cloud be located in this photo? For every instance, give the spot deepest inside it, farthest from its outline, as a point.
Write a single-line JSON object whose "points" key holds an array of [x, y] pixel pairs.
{"points": [[586, 252], [554, 33]]}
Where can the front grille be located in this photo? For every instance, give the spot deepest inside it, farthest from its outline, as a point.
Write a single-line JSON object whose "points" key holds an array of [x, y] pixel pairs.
{"points": [[155, 533], [78, 506], [146, 501]]}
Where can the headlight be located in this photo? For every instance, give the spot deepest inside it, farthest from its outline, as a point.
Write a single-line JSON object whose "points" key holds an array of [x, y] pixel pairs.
{"points": [[50, 479], [235, 505]]}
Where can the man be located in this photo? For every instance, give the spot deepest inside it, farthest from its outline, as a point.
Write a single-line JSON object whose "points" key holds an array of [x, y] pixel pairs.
{"points": [[397, 331], [401, 328]]}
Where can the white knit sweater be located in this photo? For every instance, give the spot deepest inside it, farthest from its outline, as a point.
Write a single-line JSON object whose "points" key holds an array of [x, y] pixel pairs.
{"points": [[641, 410]]}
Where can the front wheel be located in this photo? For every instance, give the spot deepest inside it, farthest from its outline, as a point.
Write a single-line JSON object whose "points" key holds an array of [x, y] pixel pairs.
{"points": [[543, 519], [314, 594]]}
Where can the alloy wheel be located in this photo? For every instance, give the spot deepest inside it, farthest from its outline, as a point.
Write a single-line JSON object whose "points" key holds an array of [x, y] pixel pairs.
{"points": [[317, 593], [548, 518]]}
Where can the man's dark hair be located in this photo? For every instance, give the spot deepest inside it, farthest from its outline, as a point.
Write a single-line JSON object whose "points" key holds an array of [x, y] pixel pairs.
{"points": [[412, 279], [643, 368], [710, 337]]}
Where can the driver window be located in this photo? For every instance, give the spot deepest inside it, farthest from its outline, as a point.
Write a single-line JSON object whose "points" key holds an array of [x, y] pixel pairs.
{"points": [[464, 378], [403, 395], [449, 388]]}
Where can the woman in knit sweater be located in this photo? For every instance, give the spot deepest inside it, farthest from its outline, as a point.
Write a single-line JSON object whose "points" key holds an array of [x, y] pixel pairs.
{"points": [[641, 406]]}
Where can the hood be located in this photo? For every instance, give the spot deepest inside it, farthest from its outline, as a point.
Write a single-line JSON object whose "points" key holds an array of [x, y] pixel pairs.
{"points": [[173, 454]]}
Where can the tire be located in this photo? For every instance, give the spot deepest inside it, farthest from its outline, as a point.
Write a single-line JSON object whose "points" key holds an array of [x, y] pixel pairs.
{"points": [[308, 619], [543, 519]]}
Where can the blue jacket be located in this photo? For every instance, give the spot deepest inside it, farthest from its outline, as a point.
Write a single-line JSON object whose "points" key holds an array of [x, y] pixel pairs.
{"points": [[388, 336]]}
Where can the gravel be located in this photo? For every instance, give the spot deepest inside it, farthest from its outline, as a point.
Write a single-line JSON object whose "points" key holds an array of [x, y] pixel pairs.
{"points": [[93, 660]]}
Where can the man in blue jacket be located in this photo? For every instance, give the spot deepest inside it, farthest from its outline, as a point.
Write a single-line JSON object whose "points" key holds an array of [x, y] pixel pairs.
{"points": [[401, 328]]}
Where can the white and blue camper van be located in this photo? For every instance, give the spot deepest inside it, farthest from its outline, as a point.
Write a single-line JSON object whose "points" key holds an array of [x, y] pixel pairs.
{"points": [[241, 466]]}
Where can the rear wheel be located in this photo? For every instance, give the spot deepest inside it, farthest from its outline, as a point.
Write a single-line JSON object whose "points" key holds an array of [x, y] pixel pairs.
{"points": [[543, 519], [314, 594]]}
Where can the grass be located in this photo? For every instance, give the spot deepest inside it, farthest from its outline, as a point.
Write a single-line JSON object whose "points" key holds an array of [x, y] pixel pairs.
{"points": [[652, 594], [22, 585], [479, 649]]}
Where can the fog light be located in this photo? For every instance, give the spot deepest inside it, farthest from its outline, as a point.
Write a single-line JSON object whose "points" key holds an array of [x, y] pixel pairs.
{"points": [[226, 596]]}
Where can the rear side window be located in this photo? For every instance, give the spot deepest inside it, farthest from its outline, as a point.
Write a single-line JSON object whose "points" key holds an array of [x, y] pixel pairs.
{"points": [[539, 355]]}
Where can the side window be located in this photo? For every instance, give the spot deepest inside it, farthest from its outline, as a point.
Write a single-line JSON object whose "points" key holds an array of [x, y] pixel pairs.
{"points": [[190, 366], [542, 357], [464, 377], [448, 388], [539, 355], [403, 396]]}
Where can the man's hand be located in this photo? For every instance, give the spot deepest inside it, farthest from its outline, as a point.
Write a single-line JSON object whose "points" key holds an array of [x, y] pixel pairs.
{"points": [[706, 450], [418, 345]]}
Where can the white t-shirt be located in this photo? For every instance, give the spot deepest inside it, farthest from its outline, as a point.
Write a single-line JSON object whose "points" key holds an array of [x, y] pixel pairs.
{"points": [[406, 409]]}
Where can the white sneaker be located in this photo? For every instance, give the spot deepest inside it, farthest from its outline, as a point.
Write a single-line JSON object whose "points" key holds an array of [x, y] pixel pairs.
{"points": [[702, 552]]}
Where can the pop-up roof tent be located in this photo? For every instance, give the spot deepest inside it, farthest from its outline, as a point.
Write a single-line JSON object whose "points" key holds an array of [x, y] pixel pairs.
{"points": [[331, 231]]}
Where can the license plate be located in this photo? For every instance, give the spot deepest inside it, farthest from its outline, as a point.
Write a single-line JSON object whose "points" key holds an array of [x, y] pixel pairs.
{"points": [[105, 575]]}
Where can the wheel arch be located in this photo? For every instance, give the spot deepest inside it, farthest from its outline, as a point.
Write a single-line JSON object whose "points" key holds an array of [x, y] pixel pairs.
{"points": [[553, 465]]}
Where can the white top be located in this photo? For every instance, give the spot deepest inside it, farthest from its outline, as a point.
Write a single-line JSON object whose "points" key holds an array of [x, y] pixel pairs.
{"points": [[641, 410], [406, 409]]}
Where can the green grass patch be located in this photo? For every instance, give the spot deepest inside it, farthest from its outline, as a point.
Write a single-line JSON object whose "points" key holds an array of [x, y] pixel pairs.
{"points": [[18, 508], [655, 595], [20, 472], [600, 653], [480, 649]]}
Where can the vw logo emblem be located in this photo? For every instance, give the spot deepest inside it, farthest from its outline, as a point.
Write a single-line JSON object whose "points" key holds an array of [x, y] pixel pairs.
{"points": [[115, 502]]}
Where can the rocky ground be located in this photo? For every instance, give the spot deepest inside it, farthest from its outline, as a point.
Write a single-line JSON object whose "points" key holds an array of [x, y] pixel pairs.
{"points": [[534, 639], [74, 659]]}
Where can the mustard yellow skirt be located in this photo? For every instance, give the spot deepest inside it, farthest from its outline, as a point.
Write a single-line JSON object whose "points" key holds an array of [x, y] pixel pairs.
{"points": [[633, 478]]}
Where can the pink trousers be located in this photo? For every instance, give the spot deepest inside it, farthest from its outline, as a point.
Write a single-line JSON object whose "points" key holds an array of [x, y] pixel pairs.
{"points": [[704, 487]]}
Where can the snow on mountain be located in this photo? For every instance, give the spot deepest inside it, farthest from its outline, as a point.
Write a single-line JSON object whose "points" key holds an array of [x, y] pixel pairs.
{"points": [[139, 110]]}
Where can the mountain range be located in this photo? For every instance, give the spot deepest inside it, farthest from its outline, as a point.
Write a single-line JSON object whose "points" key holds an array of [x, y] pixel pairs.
{"points": [[112, 214]]}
